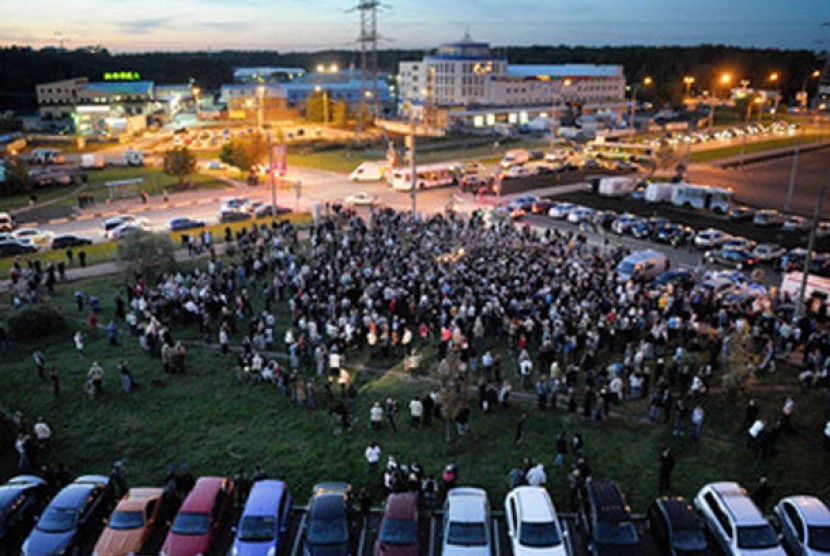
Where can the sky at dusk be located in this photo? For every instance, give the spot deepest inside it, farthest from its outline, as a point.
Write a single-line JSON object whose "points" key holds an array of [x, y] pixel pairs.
{"points": [[142, 25]]}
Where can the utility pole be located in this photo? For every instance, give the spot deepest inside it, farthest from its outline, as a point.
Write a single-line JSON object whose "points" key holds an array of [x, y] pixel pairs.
{"points": [[368, 40], [800, 309], [793, 174], [271, 172], [413, 166]]}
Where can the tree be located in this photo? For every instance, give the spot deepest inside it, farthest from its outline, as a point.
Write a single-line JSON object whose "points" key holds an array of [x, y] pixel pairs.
{"points": [[148, 255], [454, 392], [245, 152], [179, 162], [36, 321], [17, 179]]}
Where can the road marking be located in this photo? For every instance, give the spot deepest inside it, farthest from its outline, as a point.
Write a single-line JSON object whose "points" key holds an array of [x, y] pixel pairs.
{"points": [[298, 539], [432, 536], [362, 544], [496, 536]]}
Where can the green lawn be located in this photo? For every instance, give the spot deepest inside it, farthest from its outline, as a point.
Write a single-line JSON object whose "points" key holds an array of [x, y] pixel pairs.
{"points": [[217, 424], [752, 148], [14, 202]]}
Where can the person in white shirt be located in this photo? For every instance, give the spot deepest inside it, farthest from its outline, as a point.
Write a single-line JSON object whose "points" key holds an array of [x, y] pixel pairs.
{"points": [[698, 414], [537, 476], [376, 416], [372, 455], [416, 411]]}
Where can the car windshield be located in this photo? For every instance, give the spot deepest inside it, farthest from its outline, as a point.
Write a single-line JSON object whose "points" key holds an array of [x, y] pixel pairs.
{"points": [[57, 520], [328, 531], [819, 538], [403, 532], [761, 536], [626, 267], [257, 528], [622, 533], [188, 523], [467, 534], [689, 540], [539, 535], [126, 520]]}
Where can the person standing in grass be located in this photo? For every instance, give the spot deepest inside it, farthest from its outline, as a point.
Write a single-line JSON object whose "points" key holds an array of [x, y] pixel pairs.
{"points": [[96, 380], [40, 363], [78, 338], [520, 429], [372, 456]]}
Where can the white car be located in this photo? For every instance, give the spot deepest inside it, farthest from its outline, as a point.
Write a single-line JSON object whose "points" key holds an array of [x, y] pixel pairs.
{"points": [[795, 223], [823, 229], [804, 522], [361, 198], [581, 214], [737, 243], [532, 523], [561, 210], [125, 230], [232, 203], [40, 238], [768, 252], [116, 221], [710, 238], [467, 523]]}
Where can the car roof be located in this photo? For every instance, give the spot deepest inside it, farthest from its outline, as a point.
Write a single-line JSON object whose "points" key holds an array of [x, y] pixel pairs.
{"points": [[813, 510], [328, 505], [201, 498], [73, 495], [534, 504], [679, 513], [137, 499], [737, 503], [608, 501], [467, 504], [402, 505], [265, 497]]}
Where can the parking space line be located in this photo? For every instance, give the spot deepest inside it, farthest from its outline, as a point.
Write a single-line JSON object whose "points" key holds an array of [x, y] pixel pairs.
{"points": [[568, 535], [362, 544], [496, 540], [299, 537], [432, 536]]}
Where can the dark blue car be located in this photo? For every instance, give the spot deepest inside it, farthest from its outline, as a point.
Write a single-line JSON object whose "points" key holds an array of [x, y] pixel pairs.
{"points": [[264, 520], [21, 501], [71, 523], [178, 224], [327, 527]]}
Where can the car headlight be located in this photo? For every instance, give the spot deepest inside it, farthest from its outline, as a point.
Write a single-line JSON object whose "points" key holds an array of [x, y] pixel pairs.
{"points": [[234, 551], [271, 551]]}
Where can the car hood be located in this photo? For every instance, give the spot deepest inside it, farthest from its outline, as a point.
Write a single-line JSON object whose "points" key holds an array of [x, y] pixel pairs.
{"points": [[186, 545], [113, 543], [395, 550], [620, 550], [248, 548], [332, 549], [558, 550], [41, 543], [775, 551], [455, 550]]}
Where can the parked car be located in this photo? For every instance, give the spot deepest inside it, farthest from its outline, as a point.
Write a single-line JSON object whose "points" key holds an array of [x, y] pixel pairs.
{"points": [[674, 234], [22, 499], [640, 229], [119, 220], [794, 223], [639, 193], [466, 523], [541, 206], [264, 520], [361, 198], [804, 522], [63, 241], [581, 214], [183, 223], [710, 238], [73, 519], [203, 515], [126, 230], [232, 203], [605, 218], [139, 514], [267, 211], [533, 525], [226, 216], [768, 218], [768, 253], [734, 521], [734, 258], [604, 518], [676, 528], [623, 223], [677, 276], [398, 533], [12, 247], [740, 243], [40, 238], [741, 213], [560, 211], [327, 531]]}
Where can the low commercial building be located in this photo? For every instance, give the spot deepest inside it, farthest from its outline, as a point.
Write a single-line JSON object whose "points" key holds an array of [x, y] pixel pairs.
{"points": [[266, 74], [250, 101], [464, 84]]}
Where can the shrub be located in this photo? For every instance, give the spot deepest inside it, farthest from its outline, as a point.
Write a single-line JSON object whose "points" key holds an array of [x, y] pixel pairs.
{"points": [[36, 321], [147, 255]]}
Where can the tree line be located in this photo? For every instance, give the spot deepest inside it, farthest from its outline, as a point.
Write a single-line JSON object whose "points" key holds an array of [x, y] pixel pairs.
{"points": [[23, 67]]}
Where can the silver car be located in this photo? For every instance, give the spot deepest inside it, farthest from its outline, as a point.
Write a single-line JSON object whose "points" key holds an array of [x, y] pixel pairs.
{"points": [[804, 522], [467, 523]]}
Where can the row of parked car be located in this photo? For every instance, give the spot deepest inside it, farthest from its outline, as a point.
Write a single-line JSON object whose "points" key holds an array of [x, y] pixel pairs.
{"points": [[84, 518]]}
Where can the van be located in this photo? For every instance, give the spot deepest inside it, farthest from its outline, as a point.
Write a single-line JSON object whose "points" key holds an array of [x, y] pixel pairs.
{"points": [[816, 295], [659, 192], [642, 265], [735, 522], [515, 157], [616, 187], [370, 171]]}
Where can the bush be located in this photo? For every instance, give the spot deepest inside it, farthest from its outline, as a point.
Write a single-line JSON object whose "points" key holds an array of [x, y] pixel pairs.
{"points": [[147, 255], [35, 321]]}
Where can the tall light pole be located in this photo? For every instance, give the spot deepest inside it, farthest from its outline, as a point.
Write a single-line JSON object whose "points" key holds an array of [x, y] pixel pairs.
{"points": [[319, 89], [806, 97], [647, 82], [688, 81], [412, 164], [196, 91], [811, 245], [725, 80], [557, 96], [260, 94], [756, 100], [772, 79]]}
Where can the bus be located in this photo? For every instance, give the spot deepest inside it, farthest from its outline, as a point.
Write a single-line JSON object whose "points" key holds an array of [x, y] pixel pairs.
{"points": [[702, 197], [426, 177], [611, 150]]}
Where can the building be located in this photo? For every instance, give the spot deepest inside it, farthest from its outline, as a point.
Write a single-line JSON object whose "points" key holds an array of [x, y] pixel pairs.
{"points": [[98, 107], [342, 85], [266, 75], [244, 102], [463, 84]]}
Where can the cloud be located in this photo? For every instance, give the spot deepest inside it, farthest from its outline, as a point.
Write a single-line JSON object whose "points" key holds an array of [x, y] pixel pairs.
{"points": [[143, 26]]}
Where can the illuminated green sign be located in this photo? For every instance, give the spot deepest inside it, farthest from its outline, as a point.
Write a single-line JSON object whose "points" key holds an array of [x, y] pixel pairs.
{"points": [[121, 76]]}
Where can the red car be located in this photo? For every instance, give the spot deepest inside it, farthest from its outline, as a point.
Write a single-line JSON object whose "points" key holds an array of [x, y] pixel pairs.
{"points": [[206, 511], [398, 535]]}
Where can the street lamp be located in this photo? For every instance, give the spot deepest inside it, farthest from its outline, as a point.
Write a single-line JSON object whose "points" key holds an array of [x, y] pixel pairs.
{"points": [[260, 94], [557, 96], [647, 82], [805, 97], [725, 79], [688, 81], [196, 91], [319, 89]]}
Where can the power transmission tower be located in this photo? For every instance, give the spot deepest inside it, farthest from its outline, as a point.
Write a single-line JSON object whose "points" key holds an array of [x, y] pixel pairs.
{"points": [[368, 40]]}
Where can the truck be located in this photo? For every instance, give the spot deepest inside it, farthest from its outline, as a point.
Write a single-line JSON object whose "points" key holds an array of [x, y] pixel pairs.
{"points": [[616, 187], [817, 294], [659, 192], [92, 162]]}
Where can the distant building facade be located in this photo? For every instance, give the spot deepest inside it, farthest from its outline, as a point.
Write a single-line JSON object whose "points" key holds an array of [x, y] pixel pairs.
{"points": [[466, 84]]}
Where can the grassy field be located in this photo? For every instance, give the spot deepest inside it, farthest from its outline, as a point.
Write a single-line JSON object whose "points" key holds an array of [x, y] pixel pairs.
{"points": [[753, 148], [217, 424]]}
